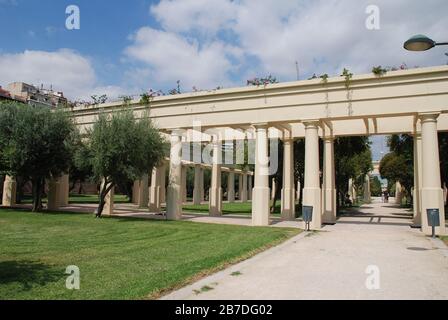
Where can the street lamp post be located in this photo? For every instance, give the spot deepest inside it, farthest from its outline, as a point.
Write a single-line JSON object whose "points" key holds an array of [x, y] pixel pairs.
{"points": [[422, 43]]}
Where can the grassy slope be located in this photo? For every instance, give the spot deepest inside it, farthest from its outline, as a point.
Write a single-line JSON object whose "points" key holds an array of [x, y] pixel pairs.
{"points": [[118, 258]]}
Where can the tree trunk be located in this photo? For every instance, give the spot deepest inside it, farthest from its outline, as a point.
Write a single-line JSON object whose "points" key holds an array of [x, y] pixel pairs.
{"points": [[104, 190], [37, 185], [277, 195]]}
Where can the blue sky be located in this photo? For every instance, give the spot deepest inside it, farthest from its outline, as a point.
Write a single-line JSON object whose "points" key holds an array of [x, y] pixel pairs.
{"points": [[128, 47]]}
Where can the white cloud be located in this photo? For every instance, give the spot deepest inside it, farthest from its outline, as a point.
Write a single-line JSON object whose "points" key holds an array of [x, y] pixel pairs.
{"points": [[172, 57], [322, 35], [65, 70], [206, 17]]}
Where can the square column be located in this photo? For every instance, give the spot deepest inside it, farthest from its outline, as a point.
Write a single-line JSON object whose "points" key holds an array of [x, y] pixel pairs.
{"points": [[240, 187], [249, 183], [231, 187], [215, 194], [184, 184], [135, 191], [261, 192], [329, 183], [244, 188], [9, 192], [367, 193], [288, 197], [64, 185], [398, 193], [417, 196], [432, 193], [163, 182], [143, 192], [201, 183], [53, 197], [174, 192], [155, 201], [197, 185], [445, 193], [311, 190]]}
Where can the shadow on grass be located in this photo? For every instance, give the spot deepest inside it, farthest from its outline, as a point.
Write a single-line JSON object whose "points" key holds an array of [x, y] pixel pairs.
{"points": [[28, 273]]}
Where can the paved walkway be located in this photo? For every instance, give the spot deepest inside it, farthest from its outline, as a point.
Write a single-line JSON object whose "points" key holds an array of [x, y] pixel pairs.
{"points": [[332, 263]]}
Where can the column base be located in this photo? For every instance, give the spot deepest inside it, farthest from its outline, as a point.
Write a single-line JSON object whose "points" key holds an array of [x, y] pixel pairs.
{"points": [[311, 197], [215, 202], [53, 195], [260, 206], [231, 196], [196, 197], [433, 199], [174, 203], [155, 202], [329, 206], [288, 204]]}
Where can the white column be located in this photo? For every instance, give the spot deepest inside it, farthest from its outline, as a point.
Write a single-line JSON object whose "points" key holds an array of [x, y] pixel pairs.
{"points": [[64, 191], [9, 191], [432, 193], [53, 196], [329, 183], [367, 193], [445, 193], [197, 185], [163, 182], [311, 190], [184, 184], [143, 194], [417, 199], [135, 191], [261, 195], [174, 192], [249, 192], [288, 198], [231, 186], [398, 193], [273, 189], [215, 194], [240, 187], [202, 185], [155, 201], [244, 189], [299, 188], [351, 190]]}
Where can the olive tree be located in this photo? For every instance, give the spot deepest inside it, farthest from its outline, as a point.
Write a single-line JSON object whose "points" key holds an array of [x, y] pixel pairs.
{"points": [[35, 144], [123, 148]]}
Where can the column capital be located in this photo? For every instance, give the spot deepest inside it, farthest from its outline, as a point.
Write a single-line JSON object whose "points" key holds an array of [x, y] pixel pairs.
{"points": [[311, 124], [260, 125], [428, 116], [328, 138], [288, 140]]}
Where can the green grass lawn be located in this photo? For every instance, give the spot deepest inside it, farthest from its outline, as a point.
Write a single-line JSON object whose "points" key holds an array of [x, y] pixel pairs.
{"points": [[81, 198], [232, 208], [119, 258]]}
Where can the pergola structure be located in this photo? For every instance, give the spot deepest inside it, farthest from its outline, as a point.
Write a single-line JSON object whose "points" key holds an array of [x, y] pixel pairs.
{"points": [[408, 101]]}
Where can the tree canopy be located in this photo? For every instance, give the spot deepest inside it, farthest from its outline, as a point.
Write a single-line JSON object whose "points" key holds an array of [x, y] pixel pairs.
{"points": [[35, 144], [122, 148]]}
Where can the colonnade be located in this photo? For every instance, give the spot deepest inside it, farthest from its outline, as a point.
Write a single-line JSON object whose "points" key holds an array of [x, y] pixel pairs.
{"points": [[428, 192]]}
